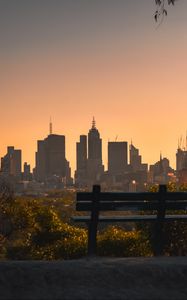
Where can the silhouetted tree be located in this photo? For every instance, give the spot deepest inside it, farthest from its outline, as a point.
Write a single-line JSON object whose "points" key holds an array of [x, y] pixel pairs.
{"points": [[161, 8], [6, 202]]}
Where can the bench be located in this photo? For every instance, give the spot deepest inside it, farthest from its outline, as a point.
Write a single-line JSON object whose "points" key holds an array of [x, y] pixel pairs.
{"points": [[154, 206]]}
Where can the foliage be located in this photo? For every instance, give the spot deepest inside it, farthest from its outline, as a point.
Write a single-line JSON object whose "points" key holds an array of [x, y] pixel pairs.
{"points": [[161, 8], [33, 228], [74, 245], [171, 187], [115, 241], [63, 202], [7, 201], [39, 231], [46, 237], [174, 233]]}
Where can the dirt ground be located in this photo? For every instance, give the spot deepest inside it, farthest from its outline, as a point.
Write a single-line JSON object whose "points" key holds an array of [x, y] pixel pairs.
{"points": [[96, 278]]}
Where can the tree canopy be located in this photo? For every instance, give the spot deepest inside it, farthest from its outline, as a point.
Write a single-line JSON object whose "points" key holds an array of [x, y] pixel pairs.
{"points": [[161, 8]]}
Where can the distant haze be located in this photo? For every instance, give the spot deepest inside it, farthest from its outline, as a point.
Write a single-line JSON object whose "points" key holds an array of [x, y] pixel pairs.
{"points": [[76, 59]]}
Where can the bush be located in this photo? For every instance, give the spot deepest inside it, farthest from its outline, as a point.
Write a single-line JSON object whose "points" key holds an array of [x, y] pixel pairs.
{"points": [[71, 248], [174, 233], [67, 243], [115, 241]]}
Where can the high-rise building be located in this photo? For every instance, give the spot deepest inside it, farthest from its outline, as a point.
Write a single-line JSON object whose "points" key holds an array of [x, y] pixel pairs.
{"points": [[11, 163], [51, 163], [95, 169], [136, 160], [89, 167], [161, 171], [94, 143], [40, 157], [181, 159], [27, 176], [16, 164], [81, 151], [117, 157], [81, 160]]}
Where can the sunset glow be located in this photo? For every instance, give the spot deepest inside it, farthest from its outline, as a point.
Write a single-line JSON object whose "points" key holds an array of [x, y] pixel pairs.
{"points": [[74, 61]]}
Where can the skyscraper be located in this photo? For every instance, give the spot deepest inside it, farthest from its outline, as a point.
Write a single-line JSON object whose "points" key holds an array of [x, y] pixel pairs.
{"points": [[89, 169], [94, 144], [81, 161], [81, 151], [27, 176], [181, 159], [117, 157], [135, 158], [11, 163], [51, 163], [161, 171]]}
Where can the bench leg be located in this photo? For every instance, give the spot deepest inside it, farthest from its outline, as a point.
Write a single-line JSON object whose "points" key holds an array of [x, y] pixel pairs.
{"points": [[92, 227], [92, 239], [158, 239]]}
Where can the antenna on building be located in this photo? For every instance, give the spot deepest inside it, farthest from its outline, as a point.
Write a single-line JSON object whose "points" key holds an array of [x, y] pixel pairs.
{"points": [[50, 126], [186, 140], [180, 144], [93, 123], [160, 155], [116, 138], [183, 144]]}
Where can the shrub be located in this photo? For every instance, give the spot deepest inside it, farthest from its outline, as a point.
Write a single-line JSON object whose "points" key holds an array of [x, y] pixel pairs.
{"points": [[67, 243], [115, 241], [174, 233]]}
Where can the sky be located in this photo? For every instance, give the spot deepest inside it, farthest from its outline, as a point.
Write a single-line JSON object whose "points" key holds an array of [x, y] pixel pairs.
{"points": [[75, 59]]}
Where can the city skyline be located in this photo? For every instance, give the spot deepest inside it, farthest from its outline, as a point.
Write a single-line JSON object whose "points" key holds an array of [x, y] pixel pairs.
{"points": [[181, 143], [73, 60], [53, 171]]}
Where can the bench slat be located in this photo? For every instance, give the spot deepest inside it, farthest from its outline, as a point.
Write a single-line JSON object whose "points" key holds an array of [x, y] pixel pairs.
{"points": [[129, 205], [106, 196], [132, 218]]}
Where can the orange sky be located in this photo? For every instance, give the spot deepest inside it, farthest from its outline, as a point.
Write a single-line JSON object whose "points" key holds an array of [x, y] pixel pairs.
{"points": [[130, 76]]}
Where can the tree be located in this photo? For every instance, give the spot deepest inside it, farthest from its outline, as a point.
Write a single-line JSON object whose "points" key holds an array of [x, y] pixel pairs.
{"points": [[6, 203], [161, 8], [174, 232]]}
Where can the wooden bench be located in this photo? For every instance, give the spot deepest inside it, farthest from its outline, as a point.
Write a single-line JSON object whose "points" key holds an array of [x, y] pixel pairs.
{"points": [[153, 205]]}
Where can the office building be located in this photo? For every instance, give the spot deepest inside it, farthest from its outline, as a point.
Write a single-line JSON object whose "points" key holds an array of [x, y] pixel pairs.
{"points": [[27, 176], [81, 161], [11, 163], [117, 157], [95, 169], [89, 158], [161, 171], [181, 159], [136, 160], [51, 163]]}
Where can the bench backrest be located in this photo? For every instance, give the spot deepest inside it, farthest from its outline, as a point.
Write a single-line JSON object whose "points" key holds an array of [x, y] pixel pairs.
{"points": [[110, 201], [159, 202]]}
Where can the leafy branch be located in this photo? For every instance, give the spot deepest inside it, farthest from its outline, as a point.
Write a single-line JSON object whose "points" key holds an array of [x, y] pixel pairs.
{"points": [[161, 8]]}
